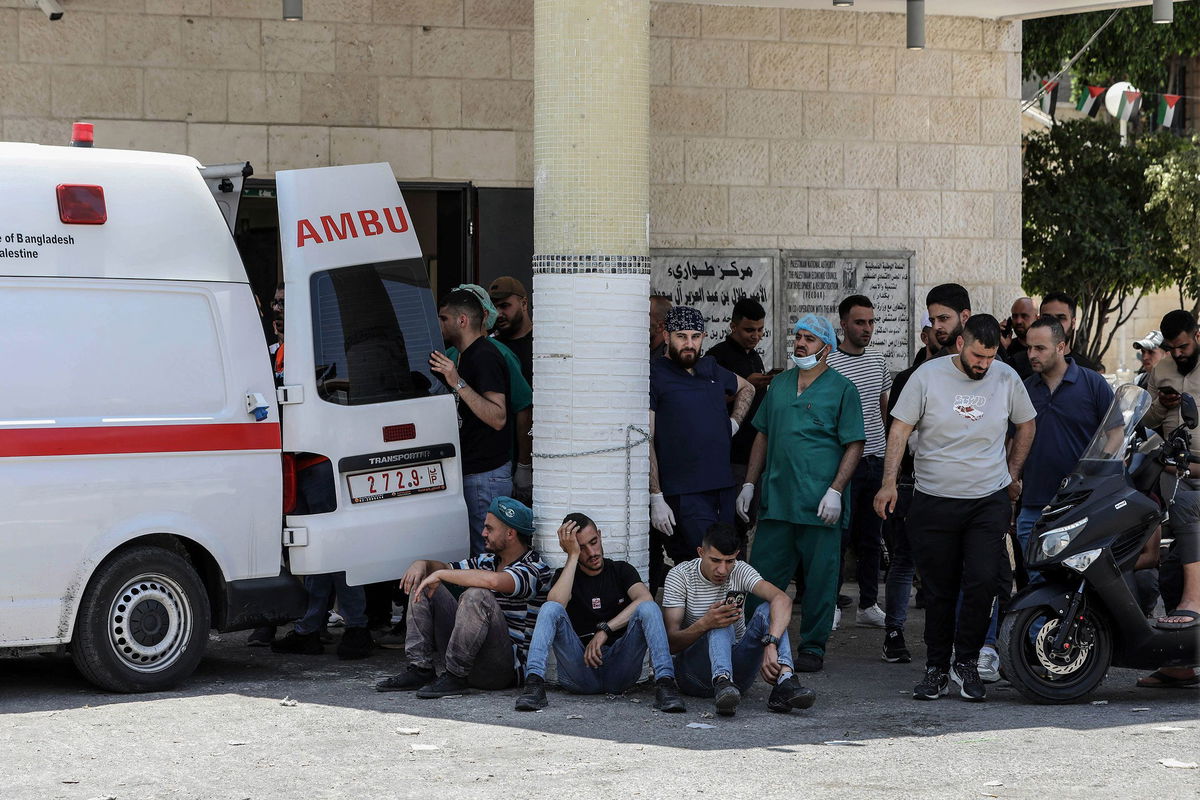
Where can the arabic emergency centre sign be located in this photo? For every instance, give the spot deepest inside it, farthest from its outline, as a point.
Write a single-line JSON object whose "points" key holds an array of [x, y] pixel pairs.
{"points": [[333, 217], [712, 281]]}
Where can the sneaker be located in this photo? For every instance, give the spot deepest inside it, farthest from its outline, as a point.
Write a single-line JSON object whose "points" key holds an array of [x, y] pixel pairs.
{"points": [[894, 649], [412, 678], [445, 685], [725, 696], [335, 620], [304, 644], [356, 643], [261, 637], [837, 619], [534, 696], [324, 635], [844, 601], [808, 662], [393, 638], [966, 675], [870, 617], [666, 697], [989, 664], [935, 684], [789, 694]]}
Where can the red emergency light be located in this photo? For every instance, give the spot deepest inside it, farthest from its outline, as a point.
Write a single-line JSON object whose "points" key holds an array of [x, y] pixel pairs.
{"points": [[80, 204]]}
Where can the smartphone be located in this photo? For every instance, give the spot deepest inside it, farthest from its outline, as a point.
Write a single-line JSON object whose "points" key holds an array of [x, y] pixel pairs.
{"points": [[735, 599], [1168, 390], [1006, 329]]}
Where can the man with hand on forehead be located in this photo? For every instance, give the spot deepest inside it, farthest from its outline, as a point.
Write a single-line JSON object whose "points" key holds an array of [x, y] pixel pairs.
{"points": [[691, 482], [810, 439]]}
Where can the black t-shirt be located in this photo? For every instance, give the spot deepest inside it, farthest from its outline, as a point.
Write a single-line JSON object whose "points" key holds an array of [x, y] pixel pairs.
{"points": [[1018, 359], [523, 349], [599, 598], [733, 357], [484, 448]]}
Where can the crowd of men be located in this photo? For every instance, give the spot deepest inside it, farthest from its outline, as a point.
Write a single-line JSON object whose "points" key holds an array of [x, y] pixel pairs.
{"points": [[759, 479]]}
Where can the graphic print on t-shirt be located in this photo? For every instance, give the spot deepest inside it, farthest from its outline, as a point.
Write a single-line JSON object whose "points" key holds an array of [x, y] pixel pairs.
{"points": [[970, 406]]}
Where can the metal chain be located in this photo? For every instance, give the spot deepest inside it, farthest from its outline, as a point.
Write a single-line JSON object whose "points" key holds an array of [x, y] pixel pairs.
{"points": [[628, 448]]}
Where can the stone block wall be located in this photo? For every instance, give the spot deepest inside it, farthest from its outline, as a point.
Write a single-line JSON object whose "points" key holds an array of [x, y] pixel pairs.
{"points": [[770, 127]]}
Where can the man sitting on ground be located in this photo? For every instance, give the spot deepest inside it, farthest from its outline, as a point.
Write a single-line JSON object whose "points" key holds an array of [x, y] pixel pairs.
{"points": [[486, 631], [600, 620], [716, 650]]}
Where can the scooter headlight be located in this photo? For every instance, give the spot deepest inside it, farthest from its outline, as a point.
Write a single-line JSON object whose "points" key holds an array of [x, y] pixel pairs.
{"points": [[1081, 561], [1054, 541]]}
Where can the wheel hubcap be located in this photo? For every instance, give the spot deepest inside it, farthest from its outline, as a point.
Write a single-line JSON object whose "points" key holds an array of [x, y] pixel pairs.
{"points": [[149, 623]]}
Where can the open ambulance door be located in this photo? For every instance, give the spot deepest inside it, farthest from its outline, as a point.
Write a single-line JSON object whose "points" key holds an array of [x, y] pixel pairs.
{"points": [[359, 326]]}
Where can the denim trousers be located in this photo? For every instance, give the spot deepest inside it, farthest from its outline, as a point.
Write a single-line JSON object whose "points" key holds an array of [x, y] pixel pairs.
{"points": [[719, 653], [478, 491], [901, 569], [864, 533], [351, 600], [468, 637], [622, 658]]}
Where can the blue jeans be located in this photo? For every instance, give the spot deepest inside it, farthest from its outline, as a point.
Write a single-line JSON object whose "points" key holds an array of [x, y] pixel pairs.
{"points": [[352, 601], [901, 569], [1025, 522], [622, 659], [718, 653], [478, 491]]}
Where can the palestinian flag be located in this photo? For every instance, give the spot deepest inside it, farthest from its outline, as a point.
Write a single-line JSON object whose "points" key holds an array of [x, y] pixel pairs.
{"points": [[1131, 104], [1165, 116], [1091, 100], [1049, 97]]}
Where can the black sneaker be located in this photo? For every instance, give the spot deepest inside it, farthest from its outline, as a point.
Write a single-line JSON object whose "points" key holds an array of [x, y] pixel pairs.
{"points": [[304, 644], [790, 694], [534, 696], [666, 697], [970, 685], [844, 601], [261, 637], [725, 696], [894, 649], [412, 678], [445, 685], [935, 684], [356, 643]]}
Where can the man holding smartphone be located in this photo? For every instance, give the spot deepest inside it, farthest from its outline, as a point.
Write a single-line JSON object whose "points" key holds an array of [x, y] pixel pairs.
{"points": [[717, 652]]}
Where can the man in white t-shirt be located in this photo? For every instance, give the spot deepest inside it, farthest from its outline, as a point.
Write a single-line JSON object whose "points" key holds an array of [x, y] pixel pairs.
{"points": [[717, 652], [961, 407]]}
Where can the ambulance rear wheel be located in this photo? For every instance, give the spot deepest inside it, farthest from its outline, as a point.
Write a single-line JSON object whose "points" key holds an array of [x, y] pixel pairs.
{"points": [[143, 622]]}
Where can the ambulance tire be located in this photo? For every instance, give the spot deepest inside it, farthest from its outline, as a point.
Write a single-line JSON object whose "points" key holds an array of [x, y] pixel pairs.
{"points": [[143, 622]]}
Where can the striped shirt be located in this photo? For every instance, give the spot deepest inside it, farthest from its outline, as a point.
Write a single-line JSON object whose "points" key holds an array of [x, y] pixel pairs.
{"points": [[532, 579], [686, 587], [869, 374]]}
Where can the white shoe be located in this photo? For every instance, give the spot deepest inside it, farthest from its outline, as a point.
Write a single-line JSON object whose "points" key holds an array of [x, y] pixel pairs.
{"points": [[872, 617], [989, 665], [837, 618]]}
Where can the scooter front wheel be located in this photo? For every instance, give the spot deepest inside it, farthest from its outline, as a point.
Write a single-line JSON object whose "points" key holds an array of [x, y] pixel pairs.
{"points": [[1045, 674]]}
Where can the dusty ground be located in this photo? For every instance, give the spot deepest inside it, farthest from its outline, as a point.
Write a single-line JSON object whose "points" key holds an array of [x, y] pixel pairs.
{"points": [[226, 735]]}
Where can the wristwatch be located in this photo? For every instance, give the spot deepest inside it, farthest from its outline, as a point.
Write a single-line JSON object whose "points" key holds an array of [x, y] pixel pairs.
{"points": [[460, 385], [769, 639], [603, 626]]}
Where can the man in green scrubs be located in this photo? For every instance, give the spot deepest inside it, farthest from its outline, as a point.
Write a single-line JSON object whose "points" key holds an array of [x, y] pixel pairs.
{"points": [[810, 438]]}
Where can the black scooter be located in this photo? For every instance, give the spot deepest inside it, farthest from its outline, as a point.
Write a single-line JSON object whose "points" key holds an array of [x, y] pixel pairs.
{"points": [[1059, 637]]}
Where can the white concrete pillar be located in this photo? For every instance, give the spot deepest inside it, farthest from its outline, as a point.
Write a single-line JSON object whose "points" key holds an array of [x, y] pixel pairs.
{"points": [[591, 269]]}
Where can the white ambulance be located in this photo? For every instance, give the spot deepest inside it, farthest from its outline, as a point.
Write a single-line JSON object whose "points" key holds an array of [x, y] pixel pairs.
{"points": [[148, 460]]}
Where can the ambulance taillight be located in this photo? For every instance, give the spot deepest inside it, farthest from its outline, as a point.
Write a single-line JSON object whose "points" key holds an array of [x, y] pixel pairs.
{"points": [[81, 204], [289, 483]]}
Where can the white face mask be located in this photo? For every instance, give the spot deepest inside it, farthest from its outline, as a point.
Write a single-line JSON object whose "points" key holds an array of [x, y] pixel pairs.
{"points": [[807, 362]]}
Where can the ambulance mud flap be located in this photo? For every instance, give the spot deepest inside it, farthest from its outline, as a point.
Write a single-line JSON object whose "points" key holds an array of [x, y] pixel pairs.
{"points": [[256, 602]]}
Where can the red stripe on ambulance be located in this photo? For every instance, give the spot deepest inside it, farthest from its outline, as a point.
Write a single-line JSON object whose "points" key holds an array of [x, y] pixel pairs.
{"points": [[113, 439], [343, 226]]}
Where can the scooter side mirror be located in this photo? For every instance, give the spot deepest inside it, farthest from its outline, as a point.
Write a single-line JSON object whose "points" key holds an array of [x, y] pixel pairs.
{"points": [[1187, 410]]}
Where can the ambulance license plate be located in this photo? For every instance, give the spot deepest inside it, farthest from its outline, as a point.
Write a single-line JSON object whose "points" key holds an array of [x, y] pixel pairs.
{"points": [[368, 486]]}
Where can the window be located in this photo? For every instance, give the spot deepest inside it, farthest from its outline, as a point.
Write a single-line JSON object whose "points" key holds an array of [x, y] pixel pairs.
{"points": [[374, 326]]}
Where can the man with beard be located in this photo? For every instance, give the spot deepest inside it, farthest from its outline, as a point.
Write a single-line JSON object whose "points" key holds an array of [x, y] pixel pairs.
{"points": [[809, 442], [514, 326], [600, 620], [1063, 308], [868, 371], [1021, 316], [1169, 381], [961, 407], [691, 483], [949, 307]]}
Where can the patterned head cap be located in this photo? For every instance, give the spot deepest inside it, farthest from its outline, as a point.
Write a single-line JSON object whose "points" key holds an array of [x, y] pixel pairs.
{"points": [[684, 318]]}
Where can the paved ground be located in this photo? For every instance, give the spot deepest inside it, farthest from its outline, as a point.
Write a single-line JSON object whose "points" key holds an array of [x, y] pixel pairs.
{"points": [[225, 734]]}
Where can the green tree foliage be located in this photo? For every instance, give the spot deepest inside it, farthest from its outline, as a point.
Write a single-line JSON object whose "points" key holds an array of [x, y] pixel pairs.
{"points": [[1087, 228], [1132, 48], [1175, 186]]}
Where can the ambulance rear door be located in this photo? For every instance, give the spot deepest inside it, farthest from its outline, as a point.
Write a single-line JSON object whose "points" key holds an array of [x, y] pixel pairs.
{"points": [[359, 324]]}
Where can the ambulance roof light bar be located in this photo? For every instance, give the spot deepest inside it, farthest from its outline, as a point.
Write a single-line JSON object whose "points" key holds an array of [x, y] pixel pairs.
{"points": [[82, 134]]}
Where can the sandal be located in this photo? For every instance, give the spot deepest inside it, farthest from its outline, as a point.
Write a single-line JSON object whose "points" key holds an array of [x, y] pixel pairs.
{"points": [[1161, 680], [1193, 620]]}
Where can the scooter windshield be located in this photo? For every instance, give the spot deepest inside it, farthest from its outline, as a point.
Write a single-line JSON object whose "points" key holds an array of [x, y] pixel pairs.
{"points": [[1106, 452]]}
